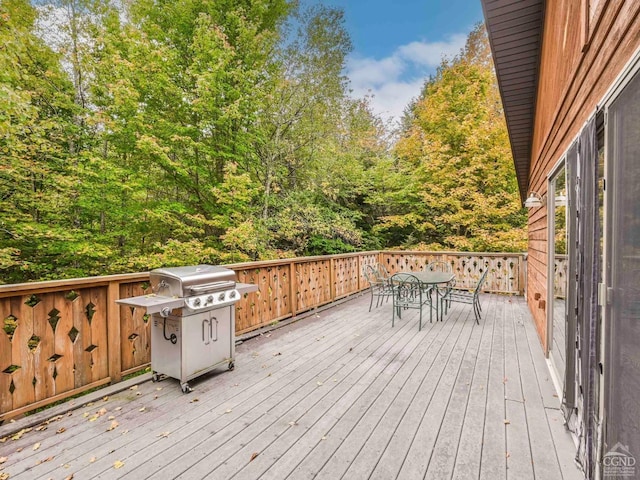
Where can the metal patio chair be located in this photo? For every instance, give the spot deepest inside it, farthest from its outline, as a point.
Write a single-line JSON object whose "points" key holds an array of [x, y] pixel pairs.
{"points": [[440, 266], [461, 295], [379, 286], [408, 293]]}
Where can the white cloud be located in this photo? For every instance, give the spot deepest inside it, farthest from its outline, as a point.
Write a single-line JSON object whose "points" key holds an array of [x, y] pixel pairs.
{"points": [[392, 82]]}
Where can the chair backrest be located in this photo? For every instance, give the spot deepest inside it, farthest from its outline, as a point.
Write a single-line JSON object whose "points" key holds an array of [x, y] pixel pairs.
{"points": [[382, 270], [439, 266], [483, 277], [371, 275], [406, 289]]}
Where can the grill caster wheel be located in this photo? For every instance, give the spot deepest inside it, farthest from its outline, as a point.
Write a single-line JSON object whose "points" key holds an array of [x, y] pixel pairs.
{"points": [[231, 366], [155, 377], [186, 388]]}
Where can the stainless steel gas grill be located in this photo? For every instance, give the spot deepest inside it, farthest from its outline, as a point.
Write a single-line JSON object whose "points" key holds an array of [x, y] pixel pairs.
{"points": [[193, 320]]}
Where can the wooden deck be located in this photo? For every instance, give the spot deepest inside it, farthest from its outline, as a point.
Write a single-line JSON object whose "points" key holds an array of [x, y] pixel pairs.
{"points": [[340, 394]]}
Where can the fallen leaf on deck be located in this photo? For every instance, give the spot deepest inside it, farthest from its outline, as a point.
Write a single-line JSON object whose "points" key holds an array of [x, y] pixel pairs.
{"points": [[36, 446], [4, 439], [507, 455], [135, 387], [323, 438], [89, 404], [3, 459], [113, 425], [276, 354], [125, 432], [94, 418], [253, 456], [142, 409], [18, 435], [228, 411], [40, 428], [164, 434], [102, 411], [66, 465], [293, 423], [19, 449], [85, 414], [194, 400], [70, 477], [505, 380], [319, 384], [92, 459], [138, 393], [117, 409], [61, 430], [111, 417], [48, 459], [4, 476], [158, 388], [104, 399], [118, 464], [506, 422]]}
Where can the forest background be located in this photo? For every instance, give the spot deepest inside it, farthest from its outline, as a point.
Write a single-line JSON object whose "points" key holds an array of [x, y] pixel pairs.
{"points": [[151, 133]]}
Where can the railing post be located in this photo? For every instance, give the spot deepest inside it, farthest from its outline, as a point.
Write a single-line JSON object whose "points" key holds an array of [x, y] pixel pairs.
{"points": [[113, 332], [332, 279], [359, 272], [293, 288], [521, 274]]}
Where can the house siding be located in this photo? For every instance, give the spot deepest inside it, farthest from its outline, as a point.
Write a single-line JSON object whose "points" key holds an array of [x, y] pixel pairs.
{"points": [[579, 64]]}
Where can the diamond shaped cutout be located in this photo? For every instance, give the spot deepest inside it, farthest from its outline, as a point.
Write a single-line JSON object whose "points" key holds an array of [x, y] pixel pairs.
{"points": [[12, 387], [146, 317], [54, 318], [73, 334], [10, 369], [32, 301], [90, 348], [34, 381], [10, 325], [90, 311], [33, 342], [55, 373], [54, 357], [72, 295], [133, 336]]}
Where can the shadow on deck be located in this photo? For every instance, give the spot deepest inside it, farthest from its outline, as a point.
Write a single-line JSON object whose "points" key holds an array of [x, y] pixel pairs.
{"points": [[339, 394]]}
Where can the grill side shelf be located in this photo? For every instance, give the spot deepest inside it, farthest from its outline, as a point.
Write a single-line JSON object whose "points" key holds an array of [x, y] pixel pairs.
{"points": [[153, 303]]}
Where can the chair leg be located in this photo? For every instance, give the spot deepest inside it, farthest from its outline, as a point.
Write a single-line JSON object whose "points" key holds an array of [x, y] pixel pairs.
{"points": [[371, 302], [476, 311]]}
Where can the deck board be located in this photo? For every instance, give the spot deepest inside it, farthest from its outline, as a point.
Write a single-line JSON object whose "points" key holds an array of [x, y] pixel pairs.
{"points": [[340, 394]]}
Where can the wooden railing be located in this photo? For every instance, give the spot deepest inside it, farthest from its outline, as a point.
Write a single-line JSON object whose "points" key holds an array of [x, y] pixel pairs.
{"points": [[60, 338]]}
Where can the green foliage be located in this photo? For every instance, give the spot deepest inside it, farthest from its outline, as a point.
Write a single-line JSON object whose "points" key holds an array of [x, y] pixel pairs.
{"points": [[456, 145], [171, 133]]}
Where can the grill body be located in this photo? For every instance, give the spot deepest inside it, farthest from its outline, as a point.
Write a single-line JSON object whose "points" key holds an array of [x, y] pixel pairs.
{"points": [[193, 320]]}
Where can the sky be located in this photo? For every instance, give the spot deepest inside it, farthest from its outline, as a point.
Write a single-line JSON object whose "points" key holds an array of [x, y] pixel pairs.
{"points": [[397, 44]]}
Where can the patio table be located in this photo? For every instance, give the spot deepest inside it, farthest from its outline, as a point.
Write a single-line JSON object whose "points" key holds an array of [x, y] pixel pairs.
{"points": [[428, 279]]}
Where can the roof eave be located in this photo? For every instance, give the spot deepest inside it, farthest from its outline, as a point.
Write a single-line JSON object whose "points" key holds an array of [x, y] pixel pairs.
{"points": [[515, 29]]}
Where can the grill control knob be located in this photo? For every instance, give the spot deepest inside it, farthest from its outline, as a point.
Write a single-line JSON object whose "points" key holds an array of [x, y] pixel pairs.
{"points": [[196, 302], [221, 297], [210, 299], [232, 294]]}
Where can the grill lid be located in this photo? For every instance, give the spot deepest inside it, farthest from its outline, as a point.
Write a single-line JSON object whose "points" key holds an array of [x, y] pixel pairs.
{"points": [[191, 280]]}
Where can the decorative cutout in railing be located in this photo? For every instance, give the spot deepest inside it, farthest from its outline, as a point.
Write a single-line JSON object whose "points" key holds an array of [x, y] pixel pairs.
{"points": [[63, 337]]}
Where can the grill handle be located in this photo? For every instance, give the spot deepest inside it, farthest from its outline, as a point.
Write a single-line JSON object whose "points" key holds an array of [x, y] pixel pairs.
{"points": [[212, 287]]}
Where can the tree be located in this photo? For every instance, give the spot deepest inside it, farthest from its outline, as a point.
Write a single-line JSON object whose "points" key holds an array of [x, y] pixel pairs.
{"points": [[36, 123], [456, 146]]}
